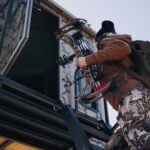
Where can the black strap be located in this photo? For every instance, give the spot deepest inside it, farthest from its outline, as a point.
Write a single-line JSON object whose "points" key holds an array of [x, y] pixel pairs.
{"points": [[133, 73]]}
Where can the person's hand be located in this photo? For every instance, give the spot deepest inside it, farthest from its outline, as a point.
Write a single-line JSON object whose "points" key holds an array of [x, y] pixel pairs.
{"points": [[116, 141], [81, 62]]}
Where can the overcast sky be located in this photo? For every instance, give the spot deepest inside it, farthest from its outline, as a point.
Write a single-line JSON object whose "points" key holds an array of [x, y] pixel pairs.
{"points": [[129, 16]]}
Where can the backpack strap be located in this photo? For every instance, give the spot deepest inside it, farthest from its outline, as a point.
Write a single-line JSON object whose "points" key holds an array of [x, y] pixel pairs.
{"points": [[133, 73]]}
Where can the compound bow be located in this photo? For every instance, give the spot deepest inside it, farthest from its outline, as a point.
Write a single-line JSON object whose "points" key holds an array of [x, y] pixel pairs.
{"points": [[77, 42]]}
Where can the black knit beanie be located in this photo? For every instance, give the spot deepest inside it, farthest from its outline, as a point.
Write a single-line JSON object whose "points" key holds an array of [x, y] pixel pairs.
{"points": [[107, 27]]}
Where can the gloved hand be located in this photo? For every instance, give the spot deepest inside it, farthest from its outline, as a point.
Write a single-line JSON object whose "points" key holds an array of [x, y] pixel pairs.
{"points": [[113, 142], [116, 142]]}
